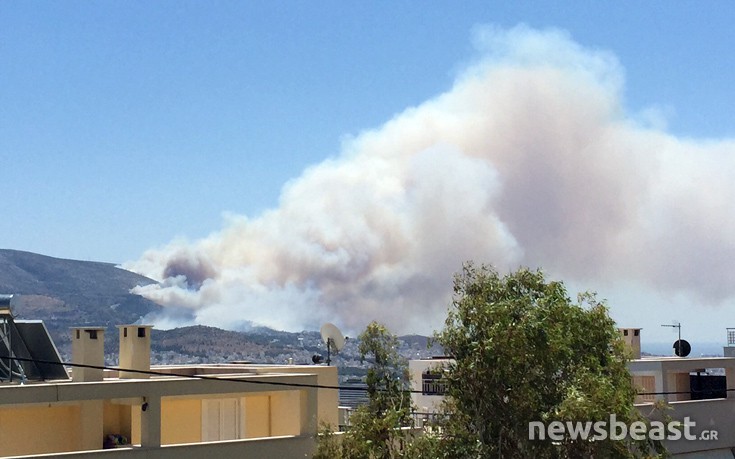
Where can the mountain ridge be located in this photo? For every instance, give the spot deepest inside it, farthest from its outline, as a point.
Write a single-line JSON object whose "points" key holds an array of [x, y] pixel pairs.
{"points": [[67, 293], [70, 293]]}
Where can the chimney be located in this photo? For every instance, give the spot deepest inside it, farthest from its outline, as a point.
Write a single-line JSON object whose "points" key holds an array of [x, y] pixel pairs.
{"points": [[87, 348], [632, 338], [135, 350]]}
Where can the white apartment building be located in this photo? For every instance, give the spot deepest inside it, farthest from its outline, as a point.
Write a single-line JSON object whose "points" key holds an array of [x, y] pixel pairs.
{"points": [[681, 383]]}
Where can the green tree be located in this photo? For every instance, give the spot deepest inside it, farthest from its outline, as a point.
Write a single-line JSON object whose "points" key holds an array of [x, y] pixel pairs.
{"points": [[376, 428], [525, 352]]}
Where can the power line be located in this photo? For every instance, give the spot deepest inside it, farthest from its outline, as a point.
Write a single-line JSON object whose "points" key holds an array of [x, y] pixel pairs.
{"points": [[280, 383], [206, 377]]}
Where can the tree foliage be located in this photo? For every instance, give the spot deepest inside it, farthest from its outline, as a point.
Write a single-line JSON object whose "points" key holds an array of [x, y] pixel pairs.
{"points": [[378, 428], [525, 352], [522, 351], [387, 378]]}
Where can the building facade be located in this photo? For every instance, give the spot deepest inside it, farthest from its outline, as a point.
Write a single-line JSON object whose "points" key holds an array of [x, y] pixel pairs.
{"points": [[700, 389], [427, 383], [224, 410]]}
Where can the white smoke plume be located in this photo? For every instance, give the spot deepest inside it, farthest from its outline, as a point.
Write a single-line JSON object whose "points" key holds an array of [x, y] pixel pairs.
{"points": [[529, 159]]}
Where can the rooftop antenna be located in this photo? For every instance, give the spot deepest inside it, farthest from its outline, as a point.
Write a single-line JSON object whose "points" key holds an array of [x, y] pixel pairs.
{"points": [[334, 339], [674, 324], [682, 348]]}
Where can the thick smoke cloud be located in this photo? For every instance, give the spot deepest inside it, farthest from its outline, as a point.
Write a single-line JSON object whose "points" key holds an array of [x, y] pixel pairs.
{"points": [[529, 159]]}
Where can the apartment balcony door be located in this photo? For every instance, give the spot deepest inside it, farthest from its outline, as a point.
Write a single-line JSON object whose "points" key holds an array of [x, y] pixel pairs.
{"points": [[222, 419]]}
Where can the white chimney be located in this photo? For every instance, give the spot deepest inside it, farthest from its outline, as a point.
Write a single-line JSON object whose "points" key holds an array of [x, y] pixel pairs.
{"points": [[632, 338], [135, 350], [87, 348]]}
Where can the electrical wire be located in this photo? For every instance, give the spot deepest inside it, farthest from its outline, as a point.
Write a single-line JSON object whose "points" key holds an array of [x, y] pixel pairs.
{"points": [[206, 377], [280, 383]]}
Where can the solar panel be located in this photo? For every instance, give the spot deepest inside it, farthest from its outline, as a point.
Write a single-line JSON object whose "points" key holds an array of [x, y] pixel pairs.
{"points": [[26, 339], [38, 341]]}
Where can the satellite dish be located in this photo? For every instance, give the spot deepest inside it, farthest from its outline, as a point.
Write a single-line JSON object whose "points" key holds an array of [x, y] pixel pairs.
{"points": [[331, 332], [682, 348], [333, 338]]}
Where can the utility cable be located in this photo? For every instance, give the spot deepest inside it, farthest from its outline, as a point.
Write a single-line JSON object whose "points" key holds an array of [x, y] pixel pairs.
{"points": [[206, 377], [280, 383]]}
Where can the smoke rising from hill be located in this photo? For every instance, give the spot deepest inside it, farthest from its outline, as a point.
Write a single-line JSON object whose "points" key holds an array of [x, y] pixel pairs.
{"points": [[529, 159]]}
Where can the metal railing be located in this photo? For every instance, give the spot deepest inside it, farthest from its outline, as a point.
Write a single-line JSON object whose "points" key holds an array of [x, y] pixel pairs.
{"points": [[731, 336]]}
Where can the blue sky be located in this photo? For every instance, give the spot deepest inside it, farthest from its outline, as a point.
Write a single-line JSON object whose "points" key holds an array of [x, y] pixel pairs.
{"points": [[125, 125]]}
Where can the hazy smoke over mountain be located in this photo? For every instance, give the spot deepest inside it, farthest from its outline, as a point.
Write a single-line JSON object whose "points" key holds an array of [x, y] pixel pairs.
{"points": [[529, 159]]}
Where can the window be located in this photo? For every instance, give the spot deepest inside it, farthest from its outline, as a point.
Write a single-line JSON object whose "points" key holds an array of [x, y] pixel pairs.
{"points": [[731, 336], [92, 334], [636, 332], [646, 386], [625, 332], [141, 332], [433, 383]]}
